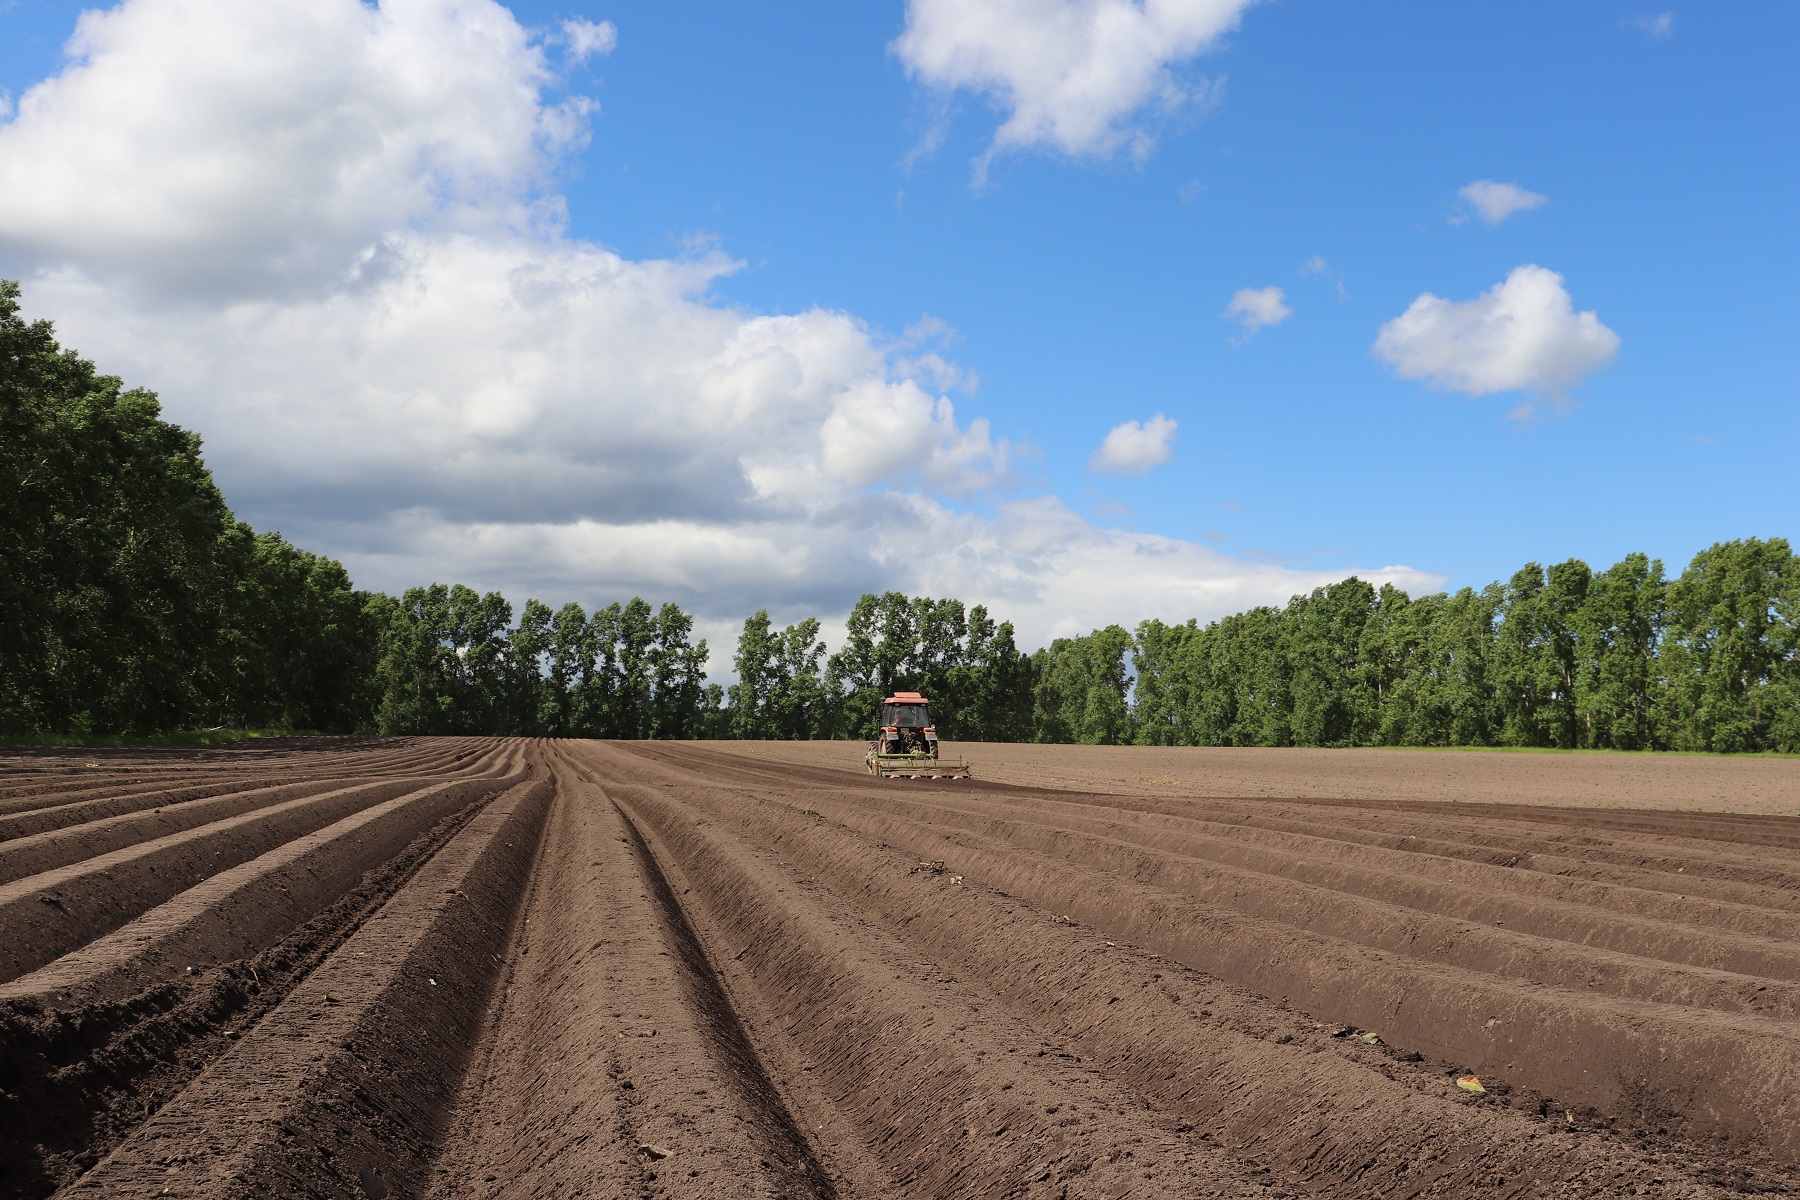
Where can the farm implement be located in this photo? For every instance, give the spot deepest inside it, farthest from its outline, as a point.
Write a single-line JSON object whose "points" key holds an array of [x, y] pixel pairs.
{"points": [[907, 745]]}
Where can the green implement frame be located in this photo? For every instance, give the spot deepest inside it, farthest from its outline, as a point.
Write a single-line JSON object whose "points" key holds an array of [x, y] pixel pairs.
{"points": [[917, 765]]}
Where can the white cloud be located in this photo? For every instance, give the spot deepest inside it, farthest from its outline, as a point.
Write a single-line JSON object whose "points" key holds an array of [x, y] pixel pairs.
{"points": [[1056, 575], [1314, 266], [586, 38], [880, 430], [1522, 334], [1258, 308], [1661, 26], [239, 148], [1132, 448], [1033, 562], [1497, 201], [1077, 76], [399, 357]]}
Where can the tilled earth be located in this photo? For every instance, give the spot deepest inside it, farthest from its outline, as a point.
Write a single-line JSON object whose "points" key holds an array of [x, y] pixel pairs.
{"points": [[492, 968]]}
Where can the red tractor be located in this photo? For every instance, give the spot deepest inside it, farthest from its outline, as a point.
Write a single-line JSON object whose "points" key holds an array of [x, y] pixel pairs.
{"points": [[907, 745]]}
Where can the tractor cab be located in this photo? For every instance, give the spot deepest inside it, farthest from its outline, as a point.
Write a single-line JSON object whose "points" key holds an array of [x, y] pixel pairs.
{"points": [[906, 710], [906, 726]]}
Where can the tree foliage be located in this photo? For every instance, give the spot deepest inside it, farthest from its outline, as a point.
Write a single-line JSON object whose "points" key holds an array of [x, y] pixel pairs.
{"points": [[1556, 657], [131, 600], [454, 662], [979, 684]]}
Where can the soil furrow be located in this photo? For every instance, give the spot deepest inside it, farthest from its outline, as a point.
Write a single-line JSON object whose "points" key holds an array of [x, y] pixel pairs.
{"points": [[132, 793], [84, 1072], [613, 1060], [1719, 1071], [342, 1089], [44, 916], [44, 852], [966, 1104], [1560, 945], [1368, 1127], [1670, 865], [93, 769], [370, 967], [1311, 843], [91, 803], [18, 811], [239, 911]]}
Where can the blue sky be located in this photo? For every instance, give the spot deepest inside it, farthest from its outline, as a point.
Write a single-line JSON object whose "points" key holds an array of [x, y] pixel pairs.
{"points": [[1085, 286]]}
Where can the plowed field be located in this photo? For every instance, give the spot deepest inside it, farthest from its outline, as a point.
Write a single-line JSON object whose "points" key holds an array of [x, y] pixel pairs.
{"points": [[490, 968]]}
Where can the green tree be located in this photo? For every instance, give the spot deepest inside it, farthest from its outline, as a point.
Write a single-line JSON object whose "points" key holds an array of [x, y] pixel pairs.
{"points": [[780, 692], [1325, 632], [1534, 658], [299, 649], [1454, 701], [1082, 687], [1784, 680], [1164, 696], [634, 633], [880, 644], [678, 676], [1002, 683], [797, 702], [1618, 678], [1391, 658], [115, 597], [416, 677], [936, 665], [1252, 656], [758, 665], [525, 690], [477, 629], [596, 697], [1729, 648], [569, 667]]}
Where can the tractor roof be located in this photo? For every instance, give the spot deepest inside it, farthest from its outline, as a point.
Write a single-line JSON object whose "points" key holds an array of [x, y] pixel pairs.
{"points": [[906, 698]]}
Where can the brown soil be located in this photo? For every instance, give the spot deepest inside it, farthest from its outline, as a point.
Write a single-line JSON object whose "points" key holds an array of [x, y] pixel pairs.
{"points": [[1696, 782], [467, 968]]}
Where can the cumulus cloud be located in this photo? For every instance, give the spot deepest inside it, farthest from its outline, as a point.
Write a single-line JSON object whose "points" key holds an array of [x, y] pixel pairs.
{"points": [[400, 357], [1079, 76], [586, 38], [227, 149], [1032, 561], [1495, 202], [1057, 575], [1522, 334], [1257, 308], [1132, 448], [878, 431], [1661, 26]]}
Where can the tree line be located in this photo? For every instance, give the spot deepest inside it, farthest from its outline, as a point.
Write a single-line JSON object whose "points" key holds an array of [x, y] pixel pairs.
{"points": [[453, 661], [133, 602], [1563, 657], [966, 663]]}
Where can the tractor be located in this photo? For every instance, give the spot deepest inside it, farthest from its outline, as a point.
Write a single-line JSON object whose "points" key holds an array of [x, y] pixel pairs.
{"points": [[906, 747]]}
